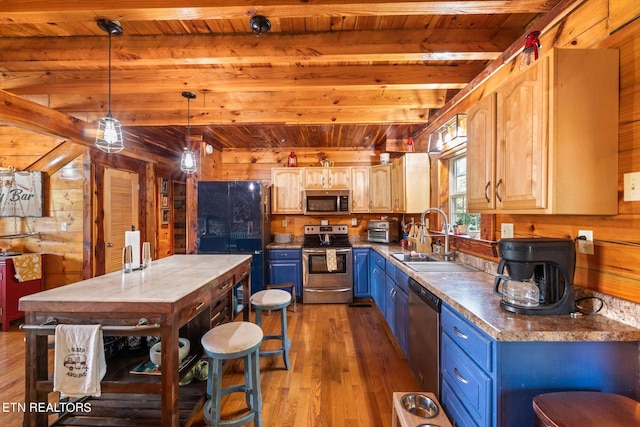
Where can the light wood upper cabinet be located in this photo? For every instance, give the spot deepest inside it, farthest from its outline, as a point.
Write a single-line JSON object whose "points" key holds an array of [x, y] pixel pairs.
{"points": [[360, 189], [556, 137], [327, 178], [481, 152], [410, 183], [286, 191], [380, 188]]}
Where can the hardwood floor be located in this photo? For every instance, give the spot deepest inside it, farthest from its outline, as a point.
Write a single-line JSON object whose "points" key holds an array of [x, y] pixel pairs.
{"points": [[344, 368]]}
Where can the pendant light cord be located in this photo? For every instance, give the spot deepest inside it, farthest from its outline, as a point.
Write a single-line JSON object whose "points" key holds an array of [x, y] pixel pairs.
{"points": [[109, 112], [188, 124]]}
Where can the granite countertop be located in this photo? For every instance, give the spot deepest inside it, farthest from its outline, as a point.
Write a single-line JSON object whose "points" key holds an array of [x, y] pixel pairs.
{"points": [[471, 294]]}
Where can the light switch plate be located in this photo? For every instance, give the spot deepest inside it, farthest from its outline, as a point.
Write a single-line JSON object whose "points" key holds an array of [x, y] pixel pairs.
{"points": [[632, 187], [354, 222], [506, 230], [585, 246]]}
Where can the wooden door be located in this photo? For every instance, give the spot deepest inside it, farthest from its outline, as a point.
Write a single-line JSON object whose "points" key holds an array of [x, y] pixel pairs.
{"points": [[380, 188], [522, 135], [340, 178], [360, 189], [120, 213], [398, 184], [481, 158], [286, 191]]}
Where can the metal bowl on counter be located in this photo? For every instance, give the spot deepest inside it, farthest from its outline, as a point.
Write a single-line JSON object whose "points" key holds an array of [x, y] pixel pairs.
{"points": [[420, 405]]}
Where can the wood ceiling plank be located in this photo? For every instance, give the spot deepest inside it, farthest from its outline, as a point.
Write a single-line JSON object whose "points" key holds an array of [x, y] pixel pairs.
{"points": [[20, 11]]}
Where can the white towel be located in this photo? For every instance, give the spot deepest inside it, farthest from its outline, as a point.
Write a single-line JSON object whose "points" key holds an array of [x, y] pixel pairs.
{"points": [[79, 363], [332, 262]]}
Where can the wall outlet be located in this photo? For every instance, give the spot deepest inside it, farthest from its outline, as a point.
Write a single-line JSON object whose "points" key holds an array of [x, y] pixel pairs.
{"points": [[354, 222], [506, 230], [63, 226], [284, 222], [585, 242]]}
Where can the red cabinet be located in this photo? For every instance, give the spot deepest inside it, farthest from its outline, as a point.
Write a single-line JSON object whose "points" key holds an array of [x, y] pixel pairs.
{"points": [[12, 290]]}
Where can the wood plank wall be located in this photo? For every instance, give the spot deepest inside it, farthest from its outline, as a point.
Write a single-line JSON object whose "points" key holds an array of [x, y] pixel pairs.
{"points": [[614, 269]]}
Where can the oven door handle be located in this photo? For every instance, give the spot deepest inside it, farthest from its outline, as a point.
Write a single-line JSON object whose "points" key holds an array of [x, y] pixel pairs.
{"points": [[324, 251]]}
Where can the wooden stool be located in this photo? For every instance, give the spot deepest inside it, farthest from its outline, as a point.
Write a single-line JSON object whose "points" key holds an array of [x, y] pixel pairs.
{"points": [[274, 299], [232, 341], [585, 409], [286, 285]]}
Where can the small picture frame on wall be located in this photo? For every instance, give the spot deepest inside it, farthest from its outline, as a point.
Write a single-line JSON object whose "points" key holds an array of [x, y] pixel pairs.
{"points": [[164, 186], [164, 201], [166, 216]]}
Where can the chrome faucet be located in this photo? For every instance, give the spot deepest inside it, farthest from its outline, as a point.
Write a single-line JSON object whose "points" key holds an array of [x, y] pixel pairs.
{"points": [[447, 255]]}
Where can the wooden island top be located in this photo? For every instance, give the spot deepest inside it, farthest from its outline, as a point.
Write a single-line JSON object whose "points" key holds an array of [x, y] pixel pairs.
{"points": [[178, 296]]}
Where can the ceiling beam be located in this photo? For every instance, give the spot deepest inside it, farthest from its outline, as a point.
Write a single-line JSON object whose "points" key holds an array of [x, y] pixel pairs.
{"points": [[25, 12], [356, 77], [87, 53]]}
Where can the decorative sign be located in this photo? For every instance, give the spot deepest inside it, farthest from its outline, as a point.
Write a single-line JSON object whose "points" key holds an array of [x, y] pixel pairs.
{"points": [[21, 194]]}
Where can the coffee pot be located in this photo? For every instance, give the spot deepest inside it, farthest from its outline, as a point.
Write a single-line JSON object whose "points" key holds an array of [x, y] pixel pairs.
{"points": [[539, 269], [326, 163]]}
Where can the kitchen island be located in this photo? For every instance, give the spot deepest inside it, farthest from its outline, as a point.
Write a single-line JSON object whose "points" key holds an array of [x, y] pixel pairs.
{"points": [[182, 295]]}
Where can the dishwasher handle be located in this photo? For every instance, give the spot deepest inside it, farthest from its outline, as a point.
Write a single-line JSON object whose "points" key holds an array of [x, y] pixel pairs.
{"points": [[425, 295]]}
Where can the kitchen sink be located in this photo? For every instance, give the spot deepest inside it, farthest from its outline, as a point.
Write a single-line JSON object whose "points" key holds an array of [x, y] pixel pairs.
{"points": [[405, 257], [438, 266]]}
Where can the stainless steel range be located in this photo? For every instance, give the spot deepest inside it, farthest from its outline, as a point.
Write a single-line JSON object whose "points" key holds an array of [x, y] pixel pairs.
{"points": [[327, 263]]}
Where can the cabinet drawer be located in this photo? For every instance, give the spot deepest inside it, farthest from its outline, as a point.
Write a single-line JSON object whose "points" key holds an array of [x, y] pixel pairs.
{"points": [[455, 409], [390, 269], [472, 341], [378, 260], [469, 383], [285, 254], [402, 280]]}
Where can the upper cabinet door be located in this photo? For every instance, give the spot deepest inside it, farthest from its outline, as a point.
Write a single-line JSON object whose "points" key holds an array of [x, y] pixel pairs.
{"points": [[286, 191], [360, 189], [327, 178], [521, 157], [380, 188], [481, 149]]}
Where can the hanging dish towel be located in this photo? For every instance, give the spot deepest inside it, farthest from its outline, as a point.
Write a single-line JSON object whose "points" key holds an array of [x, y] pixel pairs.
{"points": [[79, 362], [28, 267], [332, 263]]}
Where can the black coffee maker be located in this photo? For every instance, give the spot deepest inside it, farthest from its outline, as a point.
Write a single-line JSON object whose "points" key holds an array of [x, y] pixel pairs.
{"points": [[545, 263]]}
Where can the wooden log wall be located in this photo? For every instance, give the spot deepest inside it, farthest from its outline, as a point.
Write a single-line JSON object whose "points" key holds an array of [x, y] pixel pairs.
{"points": [[63, 203]]}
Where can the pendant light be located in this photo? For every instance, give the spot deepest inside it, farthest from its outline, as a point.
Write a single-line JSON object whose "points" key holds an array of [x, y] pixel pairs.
{"points": [[188, 160], [109, 136]]}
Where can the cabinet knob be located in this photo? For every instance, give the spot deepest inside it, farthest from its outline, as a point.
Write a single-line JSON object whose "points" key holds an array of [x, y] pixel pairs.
{"points": [[486, 192], [498, 185]]}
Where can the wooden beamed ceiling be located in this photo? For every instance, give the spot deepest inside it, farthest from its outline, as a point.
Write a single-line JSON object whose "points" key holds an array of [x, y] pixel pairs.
{"points": [[328, 73]]}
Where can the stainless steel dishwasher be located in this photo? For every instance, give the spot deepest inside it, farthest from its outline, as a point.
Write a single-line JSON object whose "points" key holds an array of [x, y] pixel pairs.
{"points": [[424, 337]]}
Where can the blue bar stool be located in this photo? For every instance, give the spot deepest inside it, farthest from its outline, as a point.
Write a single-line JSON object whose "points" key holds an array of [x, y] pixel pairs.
{"points": [[274, 299], [232, 341]]}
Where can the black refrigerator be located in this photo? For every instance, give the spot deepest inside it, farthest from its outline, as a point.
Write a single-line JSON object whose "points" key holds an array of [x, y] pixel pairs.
{"points": [[234, 217]]}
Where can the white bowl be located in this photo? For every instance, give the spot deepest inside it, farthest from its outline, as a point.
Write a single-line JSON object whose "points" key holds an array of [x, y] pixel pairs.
{"points": [[155, 352], [282, 237]]}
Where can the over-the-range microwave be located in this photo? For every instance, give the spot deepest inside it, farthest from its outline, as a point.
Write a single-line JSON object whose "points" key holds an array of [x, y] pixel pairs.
{"points": [[327, 202]]}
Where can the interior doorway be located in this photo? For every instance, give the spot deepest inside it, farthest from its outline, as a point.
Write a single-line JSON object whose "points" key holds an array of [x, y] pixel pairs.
{"points": [[179, 218]]}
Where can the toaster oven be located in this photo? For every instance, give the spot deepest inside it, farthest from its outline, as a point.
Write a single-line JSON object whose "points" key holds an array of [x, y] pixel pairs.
{"points": [[383, 231]]}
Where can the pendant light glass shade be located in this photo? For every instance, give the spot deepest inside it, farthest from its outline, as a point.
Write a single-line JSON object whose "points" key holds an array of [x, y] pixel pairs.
{"points": [[109, 136], [188, 161]]}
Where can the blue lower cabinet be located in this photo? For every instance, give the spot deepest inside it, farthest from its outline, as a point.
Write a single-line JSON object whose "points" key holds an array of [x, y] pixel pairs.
{"points": [[285, 265], [490, 383], [361, 286], [377, 279]]}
